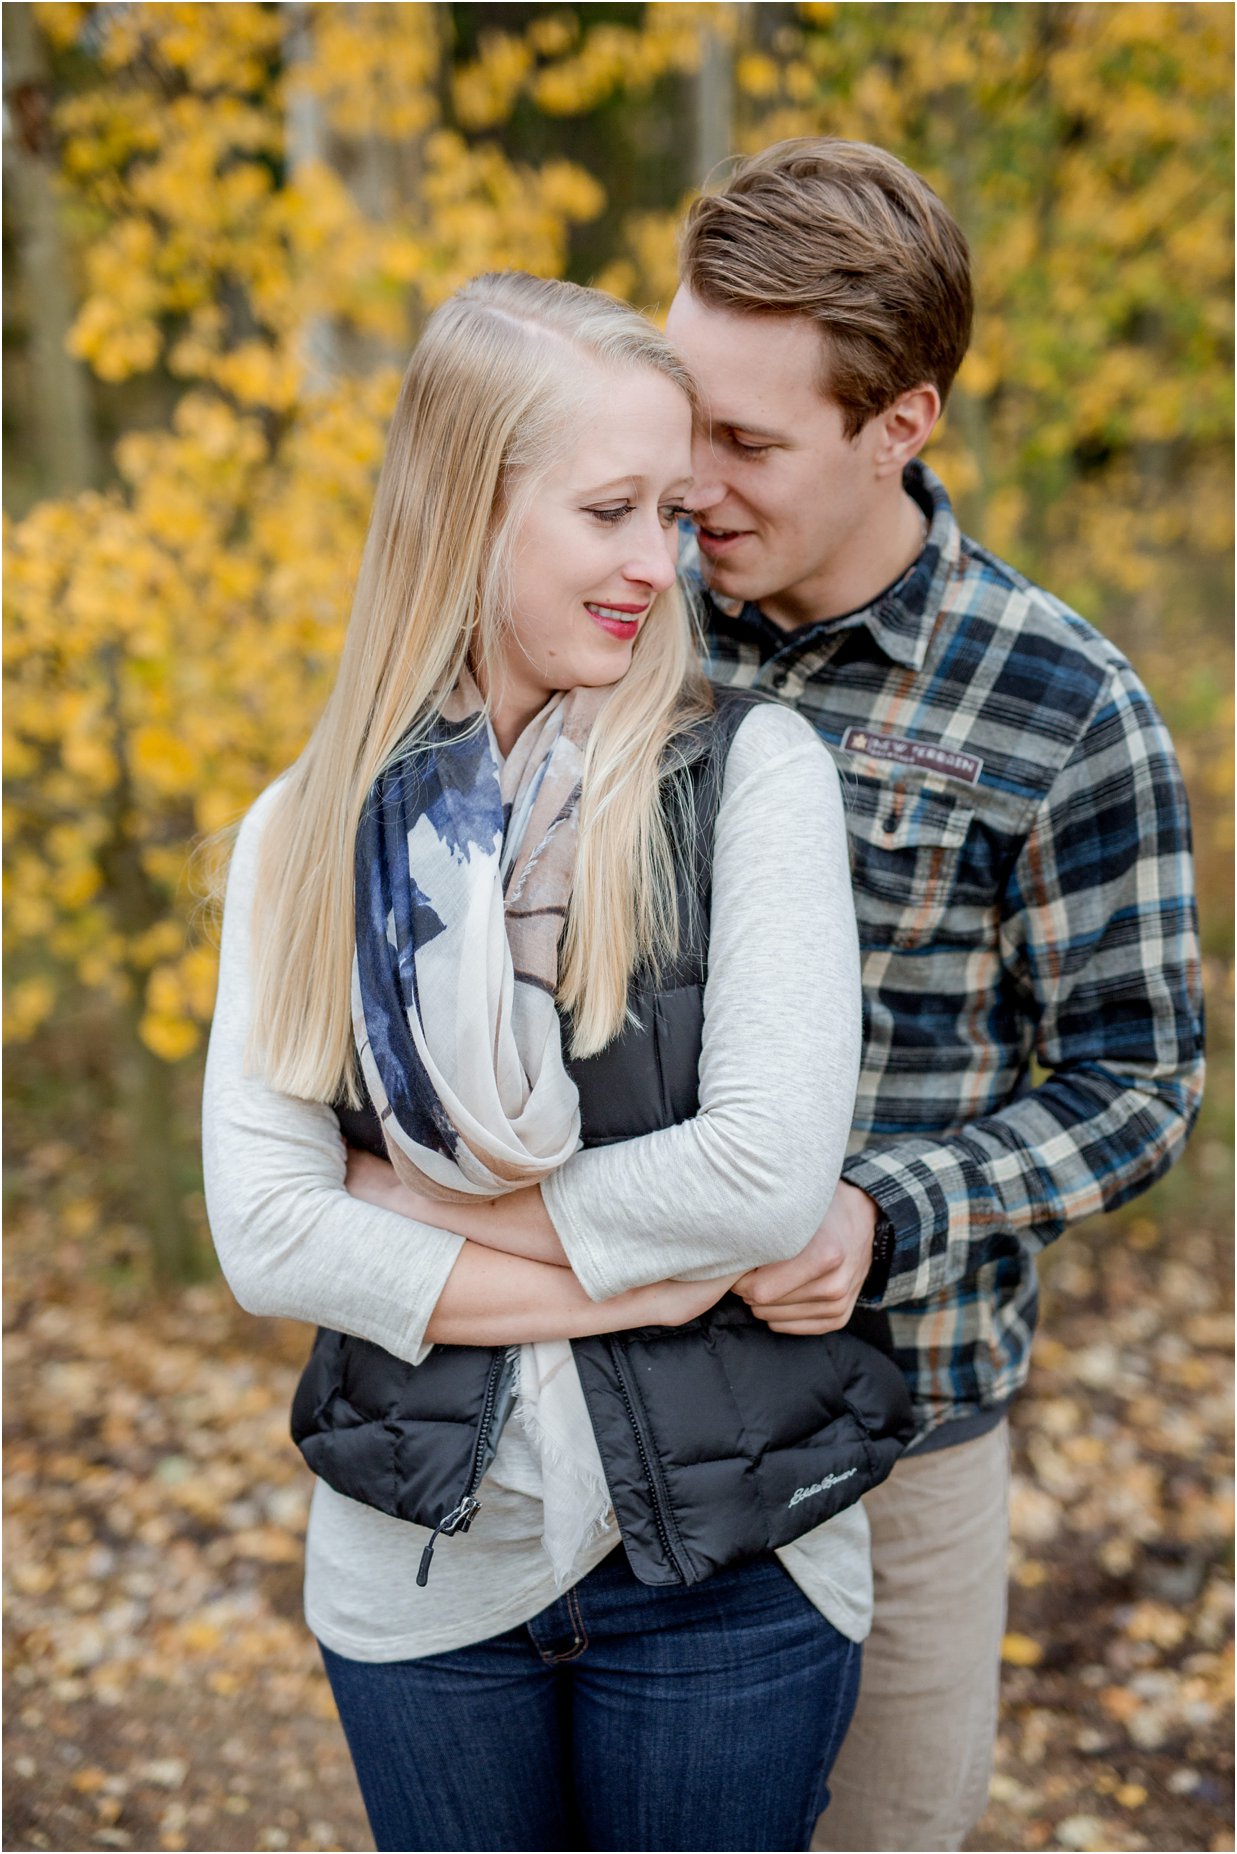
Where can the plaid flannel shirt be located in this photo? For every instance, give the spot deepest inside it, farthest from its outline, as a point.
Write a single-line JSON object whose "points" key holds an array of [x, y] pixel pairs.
{"points": [[1024, 889]]}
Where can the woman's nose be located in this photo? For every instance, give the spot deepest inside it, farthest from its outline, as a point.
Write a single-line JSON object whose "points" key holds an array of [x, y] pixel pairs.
{"points": [[655, 565]]}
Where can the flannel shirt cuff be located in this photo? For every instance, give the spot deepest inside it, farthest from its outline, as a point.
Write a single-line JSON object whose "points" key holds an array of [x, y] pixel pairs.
{"points": [[898, 1222]]}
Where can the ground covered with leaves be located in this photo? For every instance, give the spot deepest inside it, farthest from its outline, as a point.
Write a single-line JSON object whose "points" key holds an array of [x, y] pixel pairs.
{"points": [[162, 1692]]}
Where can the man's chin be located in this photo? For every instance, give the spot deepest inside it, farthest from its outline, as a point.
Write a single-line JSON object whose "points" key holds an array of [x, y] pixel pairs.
{"points": [[725, 581]]}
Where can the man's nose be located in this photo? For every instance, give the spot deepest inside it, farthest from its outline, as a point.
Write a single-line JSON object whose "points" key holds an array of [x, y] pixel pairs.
{"points": [[707, 487]]}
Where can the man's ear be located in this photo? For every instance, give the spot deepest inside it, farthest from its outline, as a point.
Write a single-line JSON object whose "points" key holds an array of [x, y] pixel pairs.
{"points": [[904, 429]]}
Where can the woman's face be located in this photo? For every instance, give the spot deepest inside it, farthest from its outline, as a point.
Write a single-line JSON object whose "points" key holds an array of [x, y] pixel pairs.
{"points": [[596, 544]]}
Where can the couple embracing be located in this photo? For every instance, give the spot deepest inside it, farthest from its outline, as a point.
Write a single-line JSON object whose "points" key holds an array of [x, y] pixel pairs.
{"points": [[624, 1049]]}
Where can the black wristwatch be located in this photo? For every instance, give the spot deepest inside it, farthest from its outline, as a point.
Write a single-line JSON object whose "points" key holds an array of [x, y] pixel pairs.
{"points": [[883, 1238]]}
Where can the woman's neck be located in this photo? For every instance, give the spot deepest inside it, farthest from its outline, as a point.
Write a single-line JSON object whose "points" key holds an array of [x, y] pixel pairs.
{"points": [[512, 709]]}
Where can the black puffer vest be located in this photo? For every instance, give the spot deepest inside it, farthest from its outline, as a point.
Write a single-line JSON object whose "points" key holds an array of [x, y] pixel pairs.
{"points": [[720, 1439]]}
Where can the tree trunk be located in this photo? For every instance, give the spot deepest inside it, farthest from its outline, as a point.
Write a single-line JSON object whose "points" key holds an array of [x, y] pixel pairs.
{"points": [[305, 139], [714, 100], [60, 415], [175, 1254], [970, 413], [144, 1081]]}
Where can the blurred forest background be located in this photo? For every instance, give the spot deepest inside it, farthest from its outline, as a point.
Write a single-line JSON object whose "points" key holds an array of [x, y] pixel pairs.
{"points": [[223, 226]]}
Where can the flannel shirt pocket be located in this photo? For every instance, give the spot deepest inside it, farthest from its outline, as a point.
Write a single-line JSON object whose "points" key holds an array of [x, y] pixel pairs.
{"points": [[906, 841]]}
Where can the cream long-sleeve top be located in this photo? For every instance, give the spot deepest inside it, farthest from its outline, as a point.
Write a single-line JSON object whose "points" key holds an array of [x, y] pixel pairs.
{"points": [[746, 1181]]}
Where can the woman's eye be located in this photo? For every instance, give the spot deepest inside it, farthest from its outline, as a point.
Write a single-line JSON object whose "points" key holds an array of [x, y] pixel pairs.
{"points": [[612, 514], [672, 513]]}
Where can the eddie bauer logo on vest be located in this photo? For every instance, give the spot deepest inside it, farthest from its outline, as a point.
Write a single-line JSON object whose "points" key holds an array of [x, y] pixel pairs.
{"points": [[830, 1480]]}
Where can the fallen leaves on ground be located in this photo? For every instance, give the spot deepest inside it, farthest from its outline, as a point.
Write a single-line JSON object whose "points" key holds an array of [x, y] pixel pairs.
{"points": [[1118, 1662], [163, 1692]]}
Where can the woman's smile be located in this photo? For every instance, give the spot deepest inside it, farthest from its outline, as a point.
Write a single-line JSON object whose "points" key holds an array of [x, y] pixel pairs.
{"points": [[621, 621]]}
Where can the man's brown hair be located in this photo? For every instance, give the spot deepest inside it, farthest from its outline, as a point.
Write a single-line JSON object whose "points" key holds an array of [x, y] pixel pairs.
{"points": [[846, 234]]}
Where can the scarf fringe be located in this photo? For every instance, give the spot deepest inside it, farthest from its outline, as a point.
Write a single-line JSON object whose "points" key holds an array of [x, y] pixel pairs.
{"points": [[554, 1458]]}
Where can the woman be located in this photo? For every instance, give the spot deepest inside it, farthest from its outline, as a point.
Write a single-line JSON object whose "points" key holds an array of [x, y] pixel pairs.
{"points": [[545, 810]]}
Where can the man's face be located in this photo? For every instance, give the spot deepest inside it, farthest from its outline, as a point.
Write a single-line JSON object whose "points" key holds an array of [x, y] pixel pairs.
{"points": [[784, 501]]}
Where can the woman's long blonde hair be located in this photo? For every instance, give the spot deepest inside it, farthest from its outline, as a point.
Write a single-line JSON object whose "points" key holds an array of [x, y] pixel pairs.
{"points": [[485, 408]]}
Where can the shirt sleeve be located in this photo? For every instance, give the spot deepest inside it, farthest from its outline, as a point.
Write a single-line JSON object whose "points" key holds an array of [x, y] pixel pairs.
{"points": [[1099, 933], [748, 1179], [290, 1239]]}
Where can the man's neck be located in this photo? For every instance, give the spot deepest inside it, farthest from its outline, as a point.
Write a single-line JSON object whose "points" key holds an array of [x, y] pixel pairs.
{"points": [[850, 584]]}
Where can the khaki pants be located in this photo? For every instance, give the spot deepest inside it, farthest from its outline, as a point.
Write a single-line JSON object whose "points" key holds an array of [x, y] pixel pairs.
{"points": [[914, 1770]]}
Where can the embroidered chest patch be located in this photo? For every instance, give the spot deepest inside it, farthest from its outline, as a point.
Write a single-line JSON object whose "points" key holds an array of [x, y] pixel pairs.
{"points": [[913, 753]]}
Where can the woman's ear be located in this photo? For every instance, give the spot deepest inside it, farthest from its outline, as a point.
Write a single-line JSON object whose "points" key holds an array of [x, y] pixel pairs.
{"points": [[905, 428]]}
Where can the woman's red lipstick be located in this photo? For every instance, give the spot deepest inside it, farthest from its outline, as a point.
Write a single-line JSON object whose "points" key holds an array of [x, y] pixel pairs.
{"points": [[613, 617]]}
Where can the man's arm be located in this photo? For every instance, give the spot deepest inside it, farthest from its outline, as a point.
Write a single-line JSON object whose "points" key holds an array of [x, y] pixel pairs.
{"points": [[1098, 927]]}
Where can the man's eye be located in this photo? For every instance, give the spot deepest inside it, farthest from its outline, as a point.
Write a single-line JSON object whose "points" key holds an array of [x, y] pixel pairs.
{"points": [[749, 450], [612, 514]]}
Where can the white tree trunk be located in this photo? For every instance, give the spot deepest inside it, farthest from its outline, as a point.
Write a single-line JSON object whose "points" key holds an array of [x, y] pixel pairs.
{"points": [[306, 145], [715, 97], [60, 413]]}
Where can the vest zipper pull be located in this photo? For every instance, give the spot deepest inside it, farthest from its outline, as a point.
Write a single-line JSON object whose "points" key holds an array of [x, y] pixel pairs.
{"points": [[458, 1520]]}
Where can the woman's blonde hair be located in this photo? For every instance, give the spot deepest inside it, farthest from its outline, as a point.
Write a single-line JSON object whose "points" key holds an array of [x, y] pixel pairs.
{"points": [[486, 407]]}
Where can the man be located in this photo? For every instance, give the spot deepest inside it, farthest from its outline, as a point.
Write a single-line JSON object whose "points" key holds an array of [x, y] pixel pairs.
{"points": [[1022, 879]]}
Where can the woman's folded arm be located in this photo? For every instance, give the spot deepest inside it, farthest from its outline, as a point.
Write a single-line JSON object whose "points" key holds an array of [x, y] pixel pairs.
{"points": [[745, 1182], [491, 1298], [294, 1242]]}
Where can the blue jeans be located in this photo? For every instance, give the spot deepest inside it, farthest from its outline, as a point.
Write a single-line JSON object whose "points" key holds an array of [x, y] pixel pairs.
{"points": [[621, 1716]]}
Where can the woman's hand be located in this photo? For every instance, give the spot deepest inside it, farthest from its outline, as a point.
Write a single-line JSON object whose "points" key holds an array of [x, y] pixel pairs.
{"points": [[515, 1224], [373, 1180], [664, 1303]]}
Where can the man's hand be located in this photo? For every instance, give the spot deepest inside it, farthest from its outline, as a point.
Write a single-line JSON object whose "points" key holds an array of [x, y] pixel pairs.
{"points": [[816, 1290]]}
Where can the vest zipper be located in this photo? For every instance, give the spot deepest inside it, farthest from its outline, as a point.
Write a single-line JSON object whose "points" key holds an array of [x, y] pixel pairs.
{"points": [[652, 1476], [461, 1517]]}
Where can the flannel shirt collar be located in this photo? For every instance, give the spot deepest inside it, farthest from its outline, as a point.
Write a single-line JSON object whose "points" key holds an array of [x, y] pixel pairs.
{"points": [[900, 619]]}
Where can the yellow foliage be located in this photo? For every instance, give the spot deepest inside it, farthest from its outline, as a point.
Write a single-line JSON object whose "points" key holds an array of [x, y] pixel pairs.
{"points": [[374, 66], [1021, 1651], [28, 1006], [60, 20], [484, 92], [265, 202], [164, 760], [553, 33], [758, 74], [171, 1038]]}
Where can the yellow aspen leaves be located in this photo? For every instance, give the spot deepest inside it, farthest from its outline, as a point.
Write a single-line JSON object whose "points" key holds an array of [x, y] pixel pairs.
{"points": [[263, 203], [1021, 1651]]}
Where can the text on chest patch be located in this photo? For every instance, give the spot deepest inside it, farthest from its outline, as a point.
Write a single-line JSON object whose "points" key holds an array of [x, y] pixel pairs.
{"points": [[913, 753]]}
